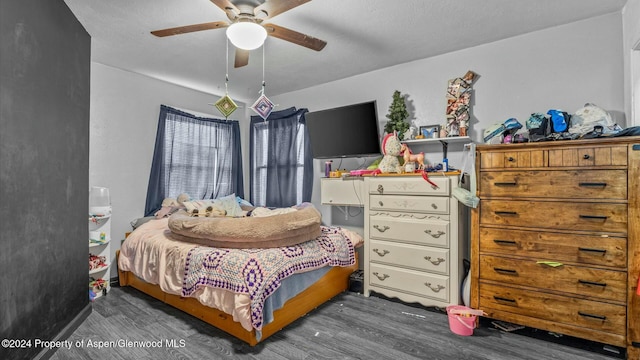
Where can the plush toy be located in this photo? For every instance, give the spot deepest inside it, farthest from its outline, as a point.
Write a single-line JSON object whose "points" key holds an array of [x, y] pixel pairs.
{"points": [[391, 149], [171, 205]]}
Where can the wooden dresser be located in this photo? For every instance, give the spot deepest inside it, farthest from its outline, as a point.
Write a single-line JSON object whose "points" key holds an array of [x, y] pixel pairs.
{"points": [[555, 241], [413, 239]]}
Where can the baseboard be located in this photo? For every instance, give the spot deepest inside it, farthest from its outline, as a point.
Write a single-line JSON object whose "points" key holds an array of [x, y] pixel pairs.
{"points": [[66, 332]]}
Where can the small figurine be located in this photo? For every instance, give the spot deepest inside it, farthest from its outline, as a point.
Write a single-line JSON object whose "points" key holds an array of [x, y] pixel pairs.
{"points": [[411, 157]]}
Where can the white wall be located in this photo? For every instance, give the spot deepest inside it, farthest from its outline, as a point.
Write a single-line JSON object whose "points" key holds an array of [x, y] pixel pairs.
{"points": [[562, 67], [631, 53], [124, 118]]}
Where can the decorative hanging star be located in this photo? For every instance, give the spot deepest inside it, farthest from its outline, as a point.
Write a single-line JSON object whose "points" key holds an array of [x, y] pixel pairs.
{"points": [[263, 106], [226, 106]]}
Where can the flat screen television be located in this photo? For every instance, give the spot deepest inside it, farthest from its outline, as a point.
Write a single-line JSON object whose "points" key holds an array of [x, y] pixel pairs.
{"points": [[347, 131]]}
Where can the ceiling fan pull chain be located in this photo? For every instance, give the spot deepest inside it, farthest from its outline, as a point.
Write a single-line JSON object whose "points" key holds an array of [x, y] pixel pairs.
{"points": [[263, 82]]}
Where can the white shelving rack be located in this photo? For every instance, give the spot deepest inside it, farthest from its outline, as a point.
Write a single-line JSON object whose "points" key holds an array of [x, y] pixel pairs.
{"points": [[99, 241]]}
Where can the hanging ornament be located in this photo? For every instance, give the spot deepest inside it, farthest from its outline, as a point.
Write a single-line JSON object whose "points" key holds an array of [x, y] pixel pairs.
{"points": [[226, 105], [263, 106]]}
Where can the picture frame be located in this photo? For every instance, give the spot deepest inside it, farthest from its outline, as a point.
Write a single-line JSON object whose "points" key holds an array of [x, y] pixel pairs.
{"points": [[430, 131]]}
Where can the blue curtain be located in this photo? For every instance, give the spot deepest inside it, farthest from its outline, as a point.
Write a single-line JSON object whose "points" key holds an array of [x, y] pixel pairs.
{"points": [[281, 160], [197, 156]]}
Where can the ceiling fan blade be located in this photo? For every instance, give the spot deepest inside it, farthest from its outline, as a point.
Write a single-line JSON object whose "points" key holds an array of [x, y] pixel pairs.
{"points": [[242, 58], [190, 28], [271, 8], [226, 6], [295, 37]]}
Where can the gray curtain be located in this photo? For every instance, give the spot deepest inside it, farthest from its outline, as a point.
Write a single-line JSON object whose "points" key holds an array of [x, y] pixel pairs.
{"points": [[197, 156], [281, 160]]}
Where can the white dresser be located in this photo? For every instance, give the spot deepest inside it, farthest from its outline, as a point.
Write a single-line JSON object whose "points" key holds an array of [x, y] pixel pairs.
{"points": [[414, 239]]}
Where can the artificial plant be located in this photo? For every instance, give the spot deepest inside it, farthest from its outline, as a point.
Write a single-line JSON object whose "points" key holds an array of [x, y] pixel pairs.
{"points": [[397, 115]]}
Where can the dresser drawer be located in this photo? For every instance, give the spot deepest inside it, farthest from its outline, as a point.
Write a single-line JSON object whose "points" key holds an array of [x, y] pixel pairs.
{"points": [[588, 156], [420, 229], [429, 204], [513, 159], [575, 280], [578, 184], [589, 314], [409, 186], [410, 256], [602, 217], [582, 249], [418, 283]]}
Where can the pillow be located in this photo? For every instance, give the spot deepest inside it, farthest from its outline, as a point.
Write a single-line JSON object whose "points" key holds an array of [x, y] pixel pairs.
{"points": [[230, 204], [204, 208]]}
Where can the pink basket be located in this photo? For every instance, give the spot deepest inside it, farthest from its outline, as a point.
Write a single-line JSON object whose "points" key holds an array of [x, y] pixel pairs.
{"points": [[462, 319]]}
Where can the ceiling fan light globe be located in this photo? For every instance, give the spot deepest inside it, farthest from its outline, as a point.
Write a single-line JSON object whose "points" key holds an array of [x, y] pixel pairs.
{"points": [[246, 35]]}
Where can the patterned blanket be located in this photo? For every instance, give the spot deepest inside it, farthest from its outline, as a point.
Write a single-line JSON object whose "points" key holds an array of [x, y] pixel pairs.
{"points": [[259, 272]]}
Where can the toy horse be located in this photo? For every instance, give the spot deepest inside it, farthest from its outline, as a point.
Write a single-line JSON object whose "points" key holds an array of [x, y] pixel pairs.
{"points": [[409, 156]]}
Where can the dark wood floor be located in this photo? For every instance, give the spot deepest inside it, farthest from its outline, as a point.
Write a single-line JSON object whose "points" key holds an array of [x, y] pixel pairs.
{"points": [[348, 327]]}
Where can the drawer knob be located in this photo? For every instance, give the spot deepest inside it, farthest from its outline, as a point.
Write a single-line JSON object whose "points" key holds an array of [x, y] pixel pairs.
{"points": [[436, 235], [380, 189], [434, 289], [381, 253], [504, 242], [506, 183], [434, 262], [434, 206], [380, 203], [592, 184], [503, 299], [511, 159], [600, 251], [586, 282], [381, 278], [381, 228], [506, 213], [593, 217], [505, 271], [586, 156], [593, 316]]}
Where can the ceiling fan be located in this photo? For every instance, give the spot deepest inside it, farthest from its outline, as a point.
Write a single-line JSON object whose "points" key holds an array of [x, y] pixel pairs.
{"points": [[252, 12]]}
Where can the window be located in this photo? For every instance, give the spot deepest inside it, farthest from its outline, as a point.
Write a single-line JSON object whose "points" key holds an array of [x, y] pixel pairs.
{"points": [[197, 156], [281, 163]]}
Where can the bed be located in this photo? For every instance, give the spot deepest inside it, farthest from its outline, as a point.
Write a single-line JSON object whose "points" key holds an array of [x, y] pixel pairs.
{"points": [[277, 286]]}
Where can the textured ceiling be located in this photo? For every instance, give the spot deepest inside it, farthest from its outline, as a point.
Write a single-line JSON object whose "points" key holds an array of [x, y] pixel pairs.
{"points": [[362, 35]]}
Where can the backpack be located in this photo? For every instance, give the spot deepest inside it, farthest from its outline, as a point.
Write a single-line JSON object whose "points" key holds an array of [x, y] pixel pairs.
{"points": [[560, 120]]}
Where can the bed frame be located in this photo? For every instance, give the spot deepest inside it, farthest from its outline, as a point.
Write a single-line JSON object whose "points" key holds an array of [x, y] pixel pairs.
{"points": [[331, 284]]}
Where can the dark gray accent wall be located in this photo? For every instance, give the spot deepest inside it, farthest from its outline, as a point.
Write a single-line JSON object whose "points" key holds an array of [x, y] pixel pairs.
{"points": [[45, 56]]}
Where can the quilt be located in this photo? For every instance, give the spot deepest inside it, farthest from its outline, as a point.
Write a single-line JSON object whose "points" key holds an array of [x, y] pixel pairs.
{"points": [[258, 273]]}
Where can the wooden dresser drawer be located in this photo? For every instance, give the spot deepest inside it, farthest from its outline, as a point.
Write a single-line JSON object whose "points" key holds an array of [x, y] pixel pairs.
{"points": [[574, 280], [588, 156], [429, 204], [410, 281], [513, 159], [409, 186], [419, 229], [582, 249], [601, 217], [590, 314], [577, 184], [410, 256]]}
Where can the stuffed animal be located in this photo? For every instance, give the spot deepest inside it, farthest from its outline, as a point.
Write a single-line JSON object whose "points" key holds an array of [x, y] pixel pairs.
{"points": [[391, 149]]}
